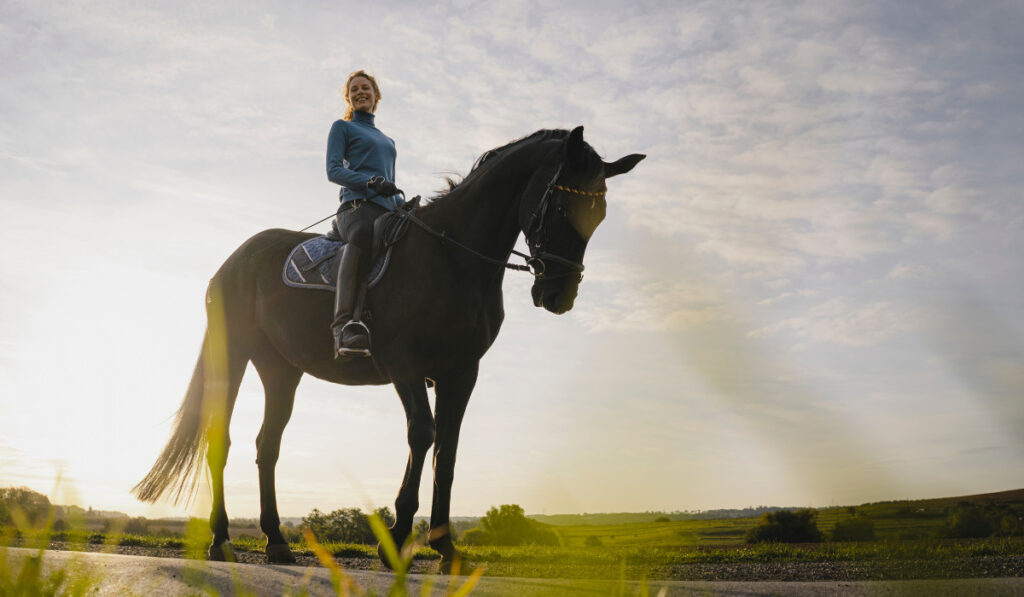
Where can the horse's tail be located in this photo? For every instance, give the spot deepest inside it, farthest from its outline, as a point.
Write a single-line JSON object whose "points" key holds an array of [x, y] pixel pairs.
{"points": [[199, 426], [179, 466]]}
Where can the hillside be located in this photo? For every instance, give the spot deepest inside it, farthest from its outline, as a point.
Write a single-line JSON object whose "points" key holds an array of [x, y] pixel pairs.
{"points": [[895, 520]]}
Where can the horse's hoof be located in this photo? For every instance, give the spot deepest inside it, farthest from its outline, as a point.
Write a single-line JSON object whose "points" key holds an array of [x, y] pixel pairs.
{"points": [[221, 552], [279, 553], [383, 556]]}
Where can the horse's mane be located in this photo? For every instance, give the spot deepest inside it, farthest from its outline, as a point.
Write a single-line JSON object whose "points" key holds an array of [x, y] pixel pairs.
{"points": [[489, 157]]}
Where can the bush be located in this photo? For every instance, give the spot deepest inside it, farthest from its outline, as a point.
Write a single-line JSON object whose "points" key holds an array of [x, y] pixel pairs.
{"points": [[593, 541], [662, 519], [476, 536], [137, 526], [33, 505], [786, 526], [508, 525], [347, 525], [967, 520], [858, 528], [1010, 525]]}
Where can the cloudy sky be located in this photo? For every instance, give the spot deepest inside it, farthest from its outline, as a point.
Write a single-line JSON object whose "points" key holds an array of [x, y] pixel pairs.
{"points": [[810, 293]]}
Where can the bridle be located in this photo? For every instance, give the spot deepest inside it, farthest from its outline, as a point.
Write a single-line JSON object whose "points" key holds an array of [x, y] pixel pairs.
{"points": [[535, 231]]}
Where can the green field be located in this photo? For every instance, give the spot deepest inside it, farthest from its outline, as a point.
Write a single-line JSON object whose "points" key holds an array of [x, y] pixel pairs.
{"points": [[908, 545]]}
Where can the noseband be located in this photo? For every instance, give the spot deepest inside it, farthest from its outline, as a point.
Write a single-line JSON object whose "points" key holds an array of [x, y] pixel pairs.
{"points": [[537, 234]]}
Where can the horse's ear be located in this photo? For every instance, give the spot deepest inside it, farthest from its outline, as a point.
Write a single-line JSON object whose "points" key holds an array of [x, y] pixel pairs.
{"points": [[622, 165], [574, 144]]}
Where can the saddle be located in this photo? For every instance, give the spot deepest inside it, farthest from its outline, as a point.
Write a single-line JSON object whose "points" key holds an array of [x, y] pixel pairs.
{"points": [[313, 262]]}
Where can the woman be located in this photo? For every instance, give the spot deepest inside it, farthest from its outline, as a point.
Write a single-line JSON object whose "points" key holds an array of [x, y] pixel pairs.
{"points": [[361, 159]]}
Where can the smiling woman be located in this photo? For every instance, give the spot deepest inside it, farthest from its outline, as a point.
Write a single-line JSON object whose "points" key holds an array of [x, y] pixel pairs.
{"points": [[361, 159]]}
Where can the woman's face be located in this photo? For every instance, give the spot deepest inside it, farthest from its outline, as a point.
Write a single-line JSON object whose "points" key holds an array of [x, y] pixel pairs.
{"points": [[361, 94]]}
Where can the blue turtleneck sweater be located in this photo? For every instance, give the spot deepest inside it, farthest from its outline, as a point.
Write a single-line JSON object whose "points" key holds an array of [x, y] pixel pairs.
{"points": [[356, 152]]}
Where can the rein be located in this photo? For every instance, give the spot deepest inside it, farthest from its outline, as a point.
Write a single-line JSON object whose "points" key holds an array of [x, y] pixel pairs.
{"points": [[536, 263], [444, 237]]}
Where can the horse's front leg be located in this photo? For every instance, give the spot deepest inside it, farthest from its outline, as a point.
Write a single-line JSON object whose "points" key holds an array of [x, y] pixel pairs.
{"points": [[452, 396], [420, 433]]}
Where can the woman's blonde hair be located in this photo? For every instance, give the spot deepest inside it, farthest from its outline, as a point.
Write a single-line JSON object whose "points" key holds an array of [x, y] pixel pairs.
{"points": [[348, 85]]}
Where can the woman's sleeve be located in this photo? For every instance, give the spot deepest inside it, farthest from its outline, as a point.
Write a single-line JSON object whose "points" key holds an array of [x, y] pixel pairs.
{"points": [[336, 170]]}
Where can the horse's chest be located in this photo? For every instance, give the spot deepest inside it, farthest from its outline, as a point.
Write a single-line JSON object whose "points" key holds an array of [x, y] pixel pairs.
{"points": [[449, 330]]}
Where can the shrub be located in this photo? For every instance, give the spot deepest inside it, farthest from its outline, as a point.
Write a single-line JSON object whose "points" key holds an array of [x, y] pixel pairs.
{"points": [[593, 541], [477, 536], [33, 505], [966, 520], [969, 521], [662, 519], [786, 526], [858, 528], [137, 526], [347, 525], [1010, 525], [508, 525]]}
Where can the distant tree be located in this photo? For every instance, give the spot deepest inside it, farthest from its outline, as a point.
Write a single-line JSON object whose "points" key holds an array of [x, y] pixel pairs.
{"points": [[786, 526], [422, 528], [34, 506], [385, 515], [857, 528], [137, 526], [346, 525], [476, 536], [1011, 524], [291, 534], [967, 520], [663, 519], [508, 525], [593, 541]]}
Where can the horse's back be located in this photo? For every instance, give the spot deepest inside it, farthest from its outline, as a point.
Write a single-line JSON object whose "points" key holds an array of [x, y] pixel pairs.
{"points": [[296, 322]]}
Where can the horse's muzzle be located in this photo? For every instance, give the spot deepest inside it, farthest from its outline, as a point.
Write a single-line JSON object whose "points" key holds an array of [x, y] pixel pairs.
{"points": [[554, 299]]}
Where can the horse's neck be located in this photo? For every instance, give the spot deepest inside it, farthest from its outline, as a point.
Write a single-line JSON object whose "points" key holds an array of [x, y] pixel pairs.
{"points": [[484, 217]]}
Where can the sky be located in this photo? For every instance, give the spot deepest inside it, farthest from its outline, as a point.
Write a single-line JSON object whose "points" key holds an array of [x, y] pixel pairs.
{"points": [[809, 293]]}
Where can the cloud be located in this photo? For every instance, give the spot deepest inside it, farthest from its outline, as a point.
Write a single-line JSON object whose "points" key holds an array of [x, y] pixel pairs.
{"points": [[840, 322], [911, 271]]}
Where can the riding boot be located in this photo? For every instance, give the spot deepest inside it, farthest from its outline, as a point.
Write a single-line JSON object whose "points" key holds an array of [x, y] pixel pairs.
{"points": [[351, 336]]}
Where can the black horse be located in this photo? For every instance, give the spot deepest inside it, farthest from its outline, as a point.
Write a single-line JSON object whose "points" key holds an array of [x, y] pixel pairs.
{"points": [[435, 314]]}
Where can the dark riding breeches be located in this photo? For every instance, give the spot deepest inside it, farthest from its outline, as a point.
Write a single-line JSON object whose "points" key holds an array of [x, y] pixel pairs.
{"points": [[354, 223]]}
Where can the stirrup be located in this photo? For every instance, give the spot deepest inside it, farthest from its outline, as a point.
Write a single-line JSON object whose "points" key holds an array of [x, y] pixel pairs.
{"points": [[344, 351]]}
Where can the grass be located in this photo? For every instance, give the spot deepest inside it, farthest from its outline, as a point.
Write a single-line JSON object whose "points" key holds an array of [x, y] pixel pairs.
{"points": [[664, 550], [651, 551], [33, 579]]}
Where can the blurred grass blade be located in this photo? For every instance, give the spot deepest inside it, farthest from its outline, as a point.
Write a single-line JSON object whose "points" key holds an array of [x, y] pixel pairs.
{"points": [[343, 584], [470, 583], [387, 543]]}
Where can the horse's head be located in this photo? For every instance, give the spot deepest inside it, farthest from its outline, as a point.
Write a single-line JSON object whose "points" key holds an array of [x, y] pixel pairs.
{"points": [[566, 207]]}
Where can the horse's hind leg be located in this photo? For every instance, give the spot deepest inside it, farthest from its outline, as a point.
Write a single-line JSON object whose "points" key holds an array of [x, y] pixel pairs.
{"points": [[279, 382], [420, 433], [222, 387]]}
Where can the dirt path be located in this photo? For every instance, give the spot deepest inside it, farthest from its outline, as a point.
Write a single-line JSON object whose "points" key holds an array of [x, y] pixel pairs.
{"points": [[144, 575]]}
